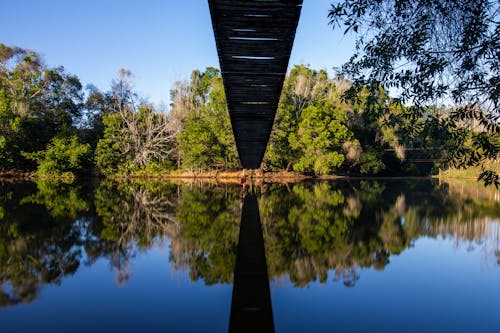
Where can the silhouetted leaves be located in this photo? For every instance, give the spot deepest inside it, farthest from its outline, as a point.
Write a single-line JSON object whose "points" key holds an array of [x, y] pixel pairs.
{"points": [[432, 52]]}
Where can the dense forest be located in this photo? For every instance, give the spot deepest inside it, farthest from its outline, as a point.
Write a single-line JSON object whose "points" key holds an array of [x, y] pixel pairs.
{"points": [[50, 124]]}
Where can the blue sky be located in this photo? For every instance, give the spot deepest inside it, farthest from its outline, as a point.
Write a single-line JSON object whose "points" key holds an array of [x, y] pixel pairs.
{"points": [[160, 41]]}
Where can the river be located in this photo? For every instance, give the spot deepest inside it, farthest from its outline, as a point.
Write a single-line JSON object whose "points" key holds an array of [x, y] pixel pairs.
{"points": [[406, 255]]}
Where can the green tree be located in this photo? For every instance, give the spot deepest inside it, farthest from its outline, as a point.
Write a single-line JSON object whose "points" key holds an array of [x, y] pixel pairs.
{"points": [[36, 104], [279, 155], [64, 157], [430, 52], [321, 132], [302, 88], [206, 140], [109, 155], [198, 144]]}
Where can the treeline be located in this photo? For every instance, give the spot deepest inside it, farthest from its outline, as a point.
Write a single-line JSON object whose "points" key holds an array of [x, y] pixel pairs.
{"points": [[51, 124]]}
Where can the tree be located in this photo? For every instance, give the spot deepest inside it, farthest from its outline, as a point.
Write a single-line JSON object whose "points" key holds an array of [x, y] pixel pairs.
{"points": [[109, 155], [303, 87], [205, 139], [36, 104], [432, 52], [279, 154], [198, 144], [320, 136], [64, 157], [136, 135]]}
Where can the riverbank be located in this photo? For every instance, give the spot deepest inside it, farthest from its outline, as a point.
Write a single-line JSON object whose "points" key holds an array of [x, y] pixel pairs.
{"points": [[469, 173], [257, 176], [217, 177], [16, 176], [223, 177]]}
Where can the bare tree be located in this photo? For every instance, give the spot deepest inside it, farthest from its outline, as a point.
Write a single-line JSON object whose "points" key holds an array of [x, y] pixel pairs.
{"points": [[308, 88], [146, 216], [147, 135]]}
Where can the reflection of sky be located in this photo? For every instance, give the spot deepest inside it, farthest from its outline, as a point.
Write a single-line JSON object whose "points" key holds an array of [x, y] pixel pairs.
{"points": [[437, 284], [156, 298], [432, 287]]}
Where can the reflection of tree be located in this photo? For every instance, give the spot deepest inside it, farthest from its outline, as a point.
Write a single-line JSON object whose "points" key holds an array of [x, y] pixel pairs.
{"points": [[60, 200], [200, 223], [310, 230], [391, 231], [208, 235], [317, 228], [307, 232], [136, 214], [39, 239], [133, 216]]}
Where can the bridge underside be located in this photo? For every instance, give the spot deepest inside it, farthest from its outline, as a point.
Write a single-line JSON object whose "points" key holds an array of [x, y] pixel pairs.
{"points": [[254, 39]]}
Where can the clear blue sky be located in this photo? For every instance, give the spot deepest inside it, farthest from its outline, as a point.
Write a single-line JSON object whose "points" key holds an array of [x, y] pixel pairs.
{"points": [[160, 41]]}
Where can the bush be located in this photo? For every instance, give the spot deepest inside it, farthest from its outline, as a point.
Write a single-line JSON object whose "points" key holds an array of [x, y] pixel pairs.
{"points": [[64, 157]]}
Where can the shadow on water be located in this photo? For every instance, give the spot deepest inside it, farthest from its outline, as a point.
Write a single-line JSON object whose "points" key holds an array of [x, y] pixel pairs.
{"points": [[251, 309]]}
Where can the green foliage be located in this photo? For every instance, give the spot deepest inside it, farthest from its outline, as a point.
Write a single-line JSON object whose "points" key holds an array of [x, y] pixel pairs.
{"points": [[207, 141], [279, 154], [198, 144], [323, 125], [320, 135], [370, 162], [109, 155], [432, 52], [318, 131], [448, 47], [36, 104], [64, 157]]}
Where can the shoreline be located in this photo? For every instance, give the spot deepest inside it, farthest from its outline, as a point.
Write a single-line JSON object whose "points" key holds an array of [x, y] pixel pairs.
{"points": [[227, 177], [222, 177]]}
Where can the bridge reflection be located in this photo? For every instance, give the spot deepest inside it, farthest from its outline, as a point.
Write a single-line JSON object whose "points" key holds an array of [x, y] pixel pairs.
{"points": [[251, 309]]}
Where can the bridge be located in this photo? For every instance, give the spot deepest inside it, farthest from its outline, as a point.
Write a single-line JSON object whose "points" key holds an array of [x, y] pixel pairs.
{"points": [[422, 155], [254, 39]]}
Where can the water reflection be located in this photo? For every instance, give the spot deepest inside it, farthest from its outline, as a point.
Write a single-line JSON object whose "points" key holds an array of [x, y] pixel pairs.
{"points": [[130, 218], [38, 245], [251, 309], [311, 231]]}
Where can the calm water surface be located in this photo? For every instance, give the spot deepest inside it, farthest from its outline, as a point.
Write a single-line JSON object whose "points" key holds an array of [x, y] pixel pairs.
{"points": [[357, 256]]}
